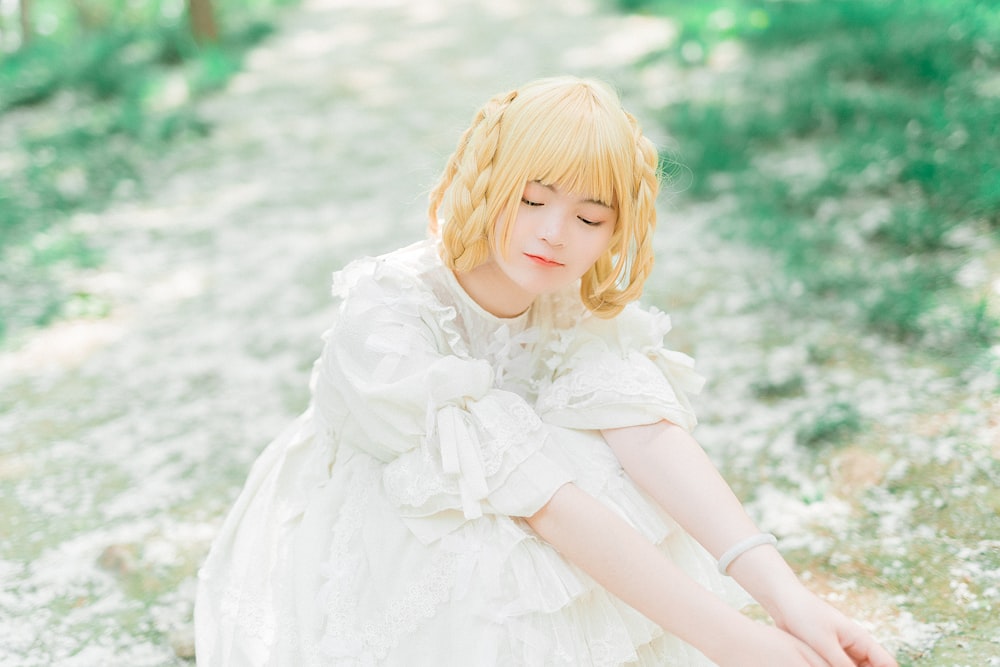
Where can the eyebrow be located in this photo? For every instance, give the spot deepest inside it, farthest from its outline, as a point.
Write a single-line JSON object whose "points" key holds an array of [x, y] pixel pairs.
{"points": [[552, 188]]}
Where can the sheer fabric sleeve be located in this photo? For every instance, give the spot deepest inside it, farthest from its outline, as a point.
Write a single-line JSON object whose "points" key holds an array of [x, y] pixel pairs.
{"points": [[393, 382], [616, 373]]}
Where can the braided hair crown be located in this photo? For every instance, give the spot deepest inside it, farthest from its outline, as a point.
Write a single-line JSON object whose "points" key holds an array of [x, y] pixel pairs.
{"points": [[568, 132]]}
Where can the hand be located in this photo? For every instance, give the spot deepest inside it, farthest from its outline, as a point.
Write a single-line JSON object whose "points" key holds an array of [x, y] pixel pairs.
{"points": [[767, 646], [840, 641]]}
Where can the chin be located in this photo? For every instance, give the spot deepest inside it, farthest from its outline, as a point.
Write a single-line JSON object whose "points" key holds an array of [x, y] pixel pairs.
{"points": [[547, 287]]}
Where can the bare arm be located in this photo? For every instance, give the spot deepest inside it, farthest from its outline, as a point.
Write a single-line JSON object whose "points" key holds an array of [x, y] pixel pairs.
{"points": [[627, 564], [666, 462]]}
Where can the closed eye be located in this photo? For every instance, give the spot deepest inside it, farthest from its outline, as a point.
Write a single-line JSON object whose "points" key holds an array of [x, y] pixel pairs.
{"points": [[592, 223], [530, 203]]}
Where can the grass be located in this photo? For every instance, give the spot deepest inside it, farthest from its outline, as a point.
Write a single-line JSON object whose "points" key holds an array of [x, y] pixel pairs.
{"points": [[97, 91], [947, 573], [896, 103], [856, 140], [835, 423], [921, 548]]}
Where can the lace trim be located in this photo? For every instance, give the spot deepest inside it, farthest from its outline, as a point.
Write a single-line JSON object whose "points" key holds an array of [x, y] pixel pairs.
{"points": [[454, 466], [338, 593], [606, 377], [251, 614], [516, 424], [346, 636]]}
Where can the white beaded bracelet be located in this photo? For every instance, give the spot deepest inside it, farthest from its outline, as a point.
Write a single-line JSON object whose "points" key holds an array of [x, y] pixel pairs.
{"points": [[744, 546]]}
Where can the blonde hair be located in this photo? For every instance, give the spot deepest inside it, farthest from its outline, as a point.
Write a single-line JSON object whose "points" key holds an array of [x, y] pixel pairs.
{"points": [[568, 132]]}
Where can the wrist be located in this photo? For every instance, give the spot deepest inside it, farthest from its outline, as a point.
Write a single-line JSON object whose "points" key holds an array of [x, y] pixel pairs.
{"points": [[743, 546], [765, 575], [727, 642]]}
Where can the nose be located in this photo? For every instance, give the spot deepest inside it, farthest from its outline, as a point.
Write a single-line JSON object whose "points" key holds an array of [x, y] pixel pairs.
{"points": [[552, 228]]}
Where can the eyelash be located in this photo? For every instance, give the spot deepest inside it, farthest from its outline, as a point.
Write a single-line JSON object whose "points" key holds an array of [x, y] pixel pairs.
{"points": [[592, 223]]}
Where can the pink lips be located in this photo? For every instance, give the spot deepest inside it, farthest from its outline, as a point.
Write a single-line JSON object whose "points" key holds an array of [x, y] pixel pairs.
{"points": [[542, 261]]}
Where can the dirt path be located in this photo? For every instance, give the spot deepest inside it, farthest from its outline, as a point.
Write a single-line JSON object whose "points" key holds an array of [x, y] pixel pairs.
{"points": [[126, 439]]}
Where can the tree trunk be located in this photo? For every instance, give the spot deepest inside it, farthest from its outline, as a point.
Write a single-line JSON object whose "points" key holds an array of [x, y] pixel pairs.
{"points": [[203, 25], [24, 16], [92, 18]]}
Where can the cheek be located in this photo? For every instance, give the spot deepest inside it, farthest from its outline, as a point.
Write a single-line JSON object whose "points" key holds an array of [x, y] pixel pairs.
{"points": [[603, 243], [595, 251]]}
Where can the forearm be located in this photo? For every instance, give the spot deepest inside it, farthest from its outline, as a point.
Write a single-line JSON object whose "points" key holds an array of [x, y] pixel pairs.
{"points": [[628, 565], [670, 465]]}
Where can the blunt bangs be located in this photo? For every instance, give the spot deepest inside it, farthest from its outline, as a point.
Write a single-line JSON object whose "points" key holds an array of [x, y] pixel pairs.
{"points": [[572, 138]]}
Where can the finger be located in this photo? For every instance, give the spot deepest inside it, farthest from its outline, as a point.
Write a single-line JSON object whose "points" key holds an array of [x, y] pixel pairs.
{"points": [[827, 647], [816, 660], [870, 653], [811, 656], [834, 654], [879, 657], [864, 650]]}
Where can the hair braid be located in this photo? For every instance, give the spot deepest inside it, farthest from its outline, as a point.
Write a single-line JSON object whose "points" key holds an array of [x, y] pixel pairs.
{"points": [[463, 188], [437, 195], [618, 277], [647, 189]]}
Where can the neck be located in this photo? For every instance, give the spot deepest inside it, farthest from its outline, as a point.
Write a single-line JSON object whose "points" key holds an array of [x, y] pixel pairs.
{"points": [[494, 291]]}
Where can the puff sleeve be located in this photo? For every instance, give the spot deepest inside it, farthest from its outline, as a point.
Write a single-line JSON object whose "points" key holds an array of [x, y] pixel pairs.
{"points": [[394, 381], [616, 373]]}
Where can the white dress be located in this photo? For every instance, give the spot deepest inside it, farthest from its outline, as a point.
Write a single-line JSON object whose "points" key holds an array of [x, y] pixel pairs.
{"points": [[383, 526]]}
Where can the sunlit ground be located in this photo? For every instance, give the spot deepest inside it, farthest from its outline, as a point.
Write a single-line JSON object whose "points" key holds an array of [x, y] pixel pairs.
{"points": [[126, 436]]}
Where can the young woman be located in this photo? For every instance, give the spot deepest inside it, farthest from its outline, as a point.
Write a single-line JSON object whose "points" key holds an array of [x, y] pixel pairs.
{"points": [[496, 466]]}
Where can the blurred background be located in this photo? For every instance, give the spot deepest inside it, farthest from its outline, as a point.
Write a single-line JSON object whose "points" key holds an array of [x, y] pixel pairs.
{"points": [[178, 179]]}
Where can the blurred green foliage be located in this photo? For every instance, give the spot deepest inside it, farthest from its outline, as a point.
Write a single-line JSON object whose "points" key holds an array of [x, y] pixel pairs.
{"points": [[857, 141], [835, 424], [96, 89], [897, 102]]}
